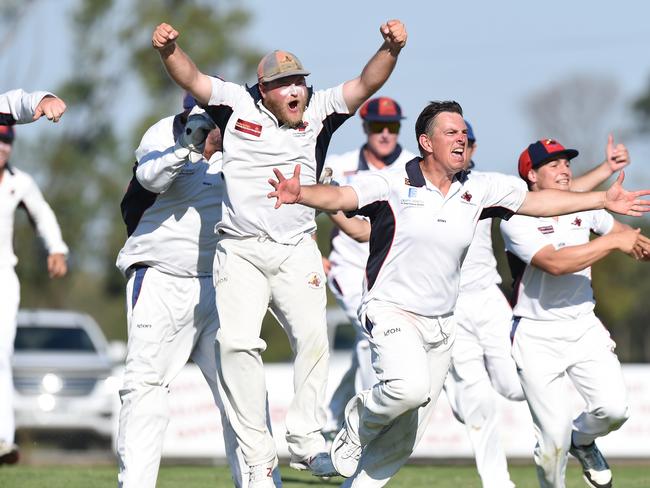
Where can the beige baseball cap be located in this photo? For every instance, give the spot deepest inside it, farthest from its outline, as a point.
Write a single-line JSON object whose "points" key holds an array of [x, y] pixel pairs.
{"points": [[279, 64]]}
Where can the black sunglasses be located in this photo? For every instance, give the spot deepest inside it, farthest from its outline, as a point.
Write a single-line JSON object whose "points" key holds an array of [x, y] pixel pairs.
{"points": [[378, 127]]}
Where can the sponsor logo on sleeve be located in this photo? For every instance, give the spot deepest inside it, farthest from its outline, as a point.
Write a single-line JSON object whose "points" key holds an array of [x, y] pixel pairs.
{"points": [[411, 199], [314, 280], [577, 222], [248, 127], [546, 229]]}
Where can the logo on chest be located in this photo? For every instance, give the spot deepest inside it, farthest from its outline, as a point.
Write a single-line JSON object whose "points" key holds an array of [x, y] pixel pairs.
{"points": [[248, 127], [466, 198], [577, 222], [411, 199]]}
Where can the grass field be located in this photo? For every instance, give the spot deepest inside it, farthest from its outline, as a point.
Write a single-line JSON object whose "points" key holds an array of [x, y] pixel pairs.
{"points": [[216, 477]]}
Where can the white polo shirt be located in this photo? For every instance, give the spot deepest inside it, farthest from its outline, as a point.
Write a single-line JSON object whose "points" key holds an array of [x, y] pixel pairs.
{"points": [[171, 207], [254, 143], [18, 106], [479, 271], [18, 189], [539, 295], [346, 251], [419, 237]]}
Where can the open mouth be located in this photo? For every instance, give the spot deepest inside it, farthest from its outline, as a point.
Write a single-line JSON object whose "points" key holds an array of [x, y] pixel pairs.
{"points": [[459, 152], [293, 105]]}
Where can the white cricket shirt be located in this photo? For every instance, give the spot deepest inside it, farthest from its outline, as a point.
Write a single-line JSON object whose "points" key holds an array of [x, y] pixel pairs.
{"points": [[479, 270], [346, 251], [254, 143], [18, 189], [539, 295], [419, 237], [171, 207]]}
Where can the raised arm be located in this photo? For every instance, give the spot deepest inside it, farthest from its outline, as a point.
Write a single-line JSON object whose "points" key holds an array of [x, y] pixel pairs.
{"points": [[379, 68], [571, 259], [178, 64], [18, 106], [328, 198], [549, 203], [616, 158]]}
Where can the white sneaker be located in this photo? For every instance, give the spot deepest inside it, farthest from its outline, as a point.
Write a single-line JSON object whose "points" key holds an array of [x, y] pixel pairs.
{"points": [[345, 453], [261, 475], [320, 465]]}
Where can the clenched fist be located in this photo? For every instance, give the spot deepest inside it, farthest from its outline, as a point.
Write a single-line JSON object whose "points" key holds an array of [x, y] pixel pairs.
{"points": [[164, 37], [394, 33]]}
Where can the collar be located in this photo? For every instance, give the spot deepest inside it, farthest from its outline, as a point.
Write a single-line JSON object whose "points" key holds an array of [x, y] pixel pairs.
{"points": [[416, 178], [388, 160]]}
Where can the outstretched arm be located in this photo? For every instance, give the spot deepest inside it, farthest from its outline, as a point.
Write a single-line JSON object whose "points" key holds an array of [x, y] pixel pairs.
{"points": [[616, 158], [180, 67], [379, 68], [328, 198], [549, 203], [18, 106]]}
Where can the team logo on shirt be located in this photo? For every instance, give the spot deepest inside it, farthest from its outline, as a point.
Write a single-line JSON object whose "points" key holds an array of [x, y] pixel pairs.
{"points": [[248, 127], [314, 280], [546, 229], [577, 222], [412, 200], [302, 126], [467, 196]]}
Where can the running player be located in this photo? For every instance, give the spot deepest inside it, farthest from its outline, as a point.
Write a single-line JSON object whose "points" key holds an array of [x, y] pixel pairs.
{"points": [[382, 118], [264, 256], [423, 218], [556, 336]]}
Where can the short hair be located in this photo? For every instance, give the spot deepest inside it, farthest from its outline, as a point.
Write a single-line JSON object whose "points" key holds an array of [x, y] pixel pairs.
{"points": [[424, 123]]}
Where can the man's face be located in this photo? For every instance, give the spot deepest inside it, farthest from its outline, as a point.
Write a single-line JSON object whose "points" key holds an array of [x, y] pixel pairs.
{"points": [[5, 153], [382, 137], [555, 175], [286, 98], [449, 141]]}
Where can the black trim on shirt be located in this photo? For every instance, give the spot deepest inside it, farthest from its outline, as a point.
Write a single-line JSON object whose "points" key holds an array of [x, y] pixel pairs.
{"points": [[220, 114], [387, 160], [496, 212], [330, 124], [414, 173], [382, 233], [517, 269], [135, 203]]}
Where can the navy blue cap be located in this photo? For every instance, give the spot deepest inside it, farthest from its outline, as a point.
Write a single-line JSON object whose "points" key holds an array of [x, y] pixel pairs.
{"points": [[541, 152], [188, 101], [381, 109], [470, 132]]}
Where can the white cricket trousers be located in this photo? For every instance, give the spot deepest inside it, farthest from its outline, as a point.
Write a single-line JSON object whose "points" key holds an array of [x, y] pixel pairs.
{"points": [[9, 301], [170, 320], [482, 364], [411, 357], [548, 354], [346, 284], [252, 275]]}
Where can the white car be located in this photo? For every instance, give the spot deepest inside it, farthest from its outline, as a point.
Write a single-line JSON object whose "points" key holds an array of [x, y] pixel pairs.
{"points": [[64, 372]]}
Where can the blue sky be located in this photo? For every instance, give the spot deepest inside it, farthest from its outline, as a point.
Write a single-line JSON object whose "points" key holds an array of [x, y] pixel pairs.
{"points": [[489, 56]]}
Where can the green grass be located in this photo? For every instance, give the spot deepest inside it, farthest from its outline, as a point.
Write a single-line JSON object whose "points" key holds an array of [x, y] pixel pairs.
{"points": [[414, 476]]}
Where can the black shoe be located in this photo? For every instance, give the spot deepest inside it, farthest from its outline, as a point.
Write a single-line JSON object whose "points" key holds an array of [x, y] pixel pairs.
{"points": [[8, 453], [594, 467]]}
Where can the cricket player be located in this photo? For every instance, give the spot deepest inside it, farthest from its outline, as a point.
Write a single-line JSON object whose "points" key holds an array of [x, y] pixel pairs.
{"points": [[18, 189], [19, 107], [268, 257], [423, 219], [381, 118], [482, 362], [556, 336], [171, 208]]}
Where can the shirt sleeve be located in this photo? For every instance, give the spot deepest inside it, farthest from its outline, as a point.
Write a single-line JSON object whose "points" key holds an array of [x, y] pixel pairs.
{"points": [[18, 106], [158, 166], [43, 217], [503, 193], [524, 236], [370, 187], [602, 222], [328, 102], [225, 92]]}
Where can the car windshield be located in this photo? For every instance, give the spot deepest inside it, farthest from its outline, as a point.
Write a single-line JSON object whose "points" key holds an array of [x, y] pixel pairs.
{"points": [[53, 339]]}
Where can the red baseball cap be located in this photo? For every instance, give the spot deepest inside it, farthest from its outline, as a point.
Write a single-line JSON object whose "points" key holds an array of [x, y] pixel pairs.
{"points": [[541, 152], [381, 109]]}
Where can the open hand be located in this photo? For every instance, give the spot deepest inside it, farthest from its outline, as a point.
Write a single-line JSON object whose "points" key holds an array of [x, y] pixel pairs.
{"points": [[617, 156], [286, 190], [621, 201]]}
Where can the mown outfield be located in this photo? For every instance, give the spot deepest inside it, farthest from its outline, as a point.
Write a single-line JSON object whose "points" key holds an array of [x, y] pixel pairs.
{"points": [[625, 476]]}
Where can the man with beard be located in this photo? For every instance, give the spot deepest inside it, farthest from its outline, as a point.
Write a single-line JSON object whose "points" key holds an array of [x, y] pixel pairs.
{"points": [[268, 258]]}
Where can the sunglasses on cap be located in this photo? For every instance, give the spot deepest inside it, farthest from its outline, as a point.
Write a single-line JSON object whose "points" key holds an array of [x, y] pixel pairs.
{"points": [[378, 127]]}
